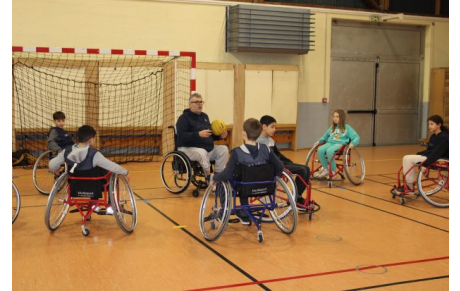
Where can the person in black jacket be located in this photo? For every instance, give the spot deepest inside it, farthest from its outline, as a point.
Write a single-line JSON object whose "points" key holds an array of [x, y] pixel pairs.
{"points": [[195, 138], [438, 148]]}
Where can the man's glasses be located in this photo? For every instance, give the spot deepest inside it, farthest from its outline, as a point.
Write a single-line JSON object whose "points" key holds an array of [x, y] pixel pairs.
{"points": [[197, 102]]}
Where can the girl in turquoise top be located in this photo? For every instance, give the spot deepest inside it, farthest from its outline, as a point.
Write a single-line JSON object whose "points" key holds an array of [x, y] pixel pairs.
{"points": [[336, 136]]}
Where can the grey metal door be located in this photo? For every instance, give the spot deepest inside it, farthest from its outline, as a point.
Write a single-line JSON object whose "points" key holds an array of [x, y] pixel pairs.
{"points": [[376, 79]]}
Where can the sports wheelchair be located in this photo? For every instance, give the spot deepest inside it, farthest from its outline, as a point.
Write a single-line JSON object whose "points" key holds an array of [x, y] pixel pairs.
{"points": [[177, 171], [44, 178], [85, 194], [348, 160], [266, 193], [16, 202], [433, 185]]}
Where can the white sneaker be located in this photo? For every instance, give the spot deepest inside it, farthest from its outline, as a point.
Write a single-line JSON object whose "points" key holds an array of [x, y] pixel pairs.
{"points": [[316, 174], [323, 173], [109, 211], [96, 209]]}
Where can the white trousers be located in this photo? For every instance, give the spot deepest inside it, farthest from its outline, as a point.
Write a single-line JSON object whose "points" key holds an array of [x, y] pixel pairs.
{"points": [[408, 162], [218, 154]]}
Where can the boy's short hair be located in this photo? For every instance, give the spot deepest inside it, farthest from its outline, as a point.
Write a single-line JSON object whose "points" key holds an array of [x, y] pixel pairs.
{"points": [[253, 128], [267, 120], [85, 133], [58, 115]]}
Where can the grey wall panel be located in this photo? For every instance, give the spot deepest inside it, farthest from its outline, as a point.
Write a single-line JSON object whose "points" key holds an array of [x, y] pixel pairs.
{"points": [[313, 119], [398, 86], [396, 128], [425, 112], [352, 84], [382, 41]]}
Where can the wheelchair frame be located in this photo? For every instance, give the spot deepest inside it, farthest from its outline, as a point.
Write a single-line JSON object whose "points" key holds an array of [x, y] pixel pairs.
{"points": [[343, 155], [193, 171], [222, 205], [440, 166], [63, 201]]}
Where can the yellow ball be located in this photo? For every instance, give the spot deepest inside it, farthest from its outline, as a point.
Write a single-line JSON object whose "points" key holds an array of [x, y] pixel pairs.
{"points": [[218, 127]]}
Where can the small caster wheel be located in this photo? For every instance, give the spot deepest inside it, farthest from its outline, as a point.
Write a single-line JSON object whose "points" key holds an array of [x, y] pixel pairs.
{"points": [[393, 195], [403, 201], [213, 225], [85, 231], [310, 216], [196, 193], [260, 236], [88, 218], [329, 184]]}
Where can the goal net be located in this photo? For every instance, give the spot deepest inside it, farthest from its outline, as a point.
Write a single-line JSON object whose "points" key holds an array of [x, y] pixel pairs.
{"points": [[129, 96]]}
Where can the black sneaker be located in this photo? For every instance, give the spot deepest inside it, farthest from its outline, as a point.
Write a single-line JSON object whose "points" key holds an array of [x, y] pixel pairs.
{"points": [[213, 216], [401, 190], [243, 217], [300, 200]]}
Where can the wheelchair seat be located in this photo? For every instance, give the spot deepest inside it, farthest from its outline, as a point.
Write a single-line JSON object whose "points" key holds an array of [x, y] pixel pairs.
{"points": [[92, 183], [255, 181]]}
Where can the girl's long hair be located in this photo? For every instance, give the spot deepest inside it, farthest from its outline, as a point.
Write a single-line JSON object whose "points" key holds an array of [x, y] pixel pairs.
{"points": [[341, 123], [438, 120]]}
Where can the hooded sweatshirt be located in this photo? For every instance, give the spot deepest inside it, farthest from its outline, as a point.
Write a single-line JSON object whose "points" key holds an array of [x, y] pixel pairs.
{"points": [[188, 127], [78, 155]]}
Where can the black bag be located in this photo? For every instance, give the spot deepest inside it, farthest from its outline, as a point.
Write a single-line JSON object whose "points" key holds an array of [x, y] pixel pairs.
{"points": [[260, 173], [23, 158]]}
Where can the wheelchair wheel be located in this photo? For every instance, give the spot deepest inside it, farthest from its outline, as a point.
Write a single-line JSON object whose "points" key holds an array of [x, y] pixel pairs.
{"points": [[290, 183], [434, 185], [43, 178], [123, 203], [312, 160], [285, 213], [176, 172], [354, 166], [57, 205], [215, 211], [16, 202]]}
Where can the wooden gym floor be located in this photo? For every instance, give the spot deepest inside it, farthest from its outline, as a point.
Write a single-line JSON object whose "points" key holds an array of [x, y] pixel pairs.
{"points": [[360, 239]]}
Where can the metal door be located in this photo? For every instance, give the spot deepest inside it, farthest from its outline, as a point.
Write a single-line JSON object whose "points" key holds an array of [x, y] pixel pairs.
{"points": [[376, 79]]}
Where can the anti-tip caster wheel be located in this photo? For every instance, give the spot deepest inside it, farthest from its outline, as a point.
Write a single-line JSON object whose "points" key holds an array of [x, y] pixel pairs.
{"points": [[196, 193], [260, 236]]}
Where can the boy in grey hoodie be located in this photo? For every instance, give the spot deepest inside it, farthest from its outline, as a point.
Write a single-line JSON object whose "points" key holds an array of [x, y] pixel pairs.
{"points": [[82, 156]]}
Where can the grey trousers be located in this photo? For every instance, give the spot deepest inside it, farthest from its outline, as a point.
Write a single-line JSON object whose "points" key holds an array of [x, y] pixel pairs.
{"points": [[218, 154]]}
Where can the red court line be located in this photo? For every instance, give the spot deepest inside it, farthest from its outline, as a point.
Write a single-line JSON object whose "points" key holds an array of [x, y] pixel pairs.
{"points": [[318, 274]]}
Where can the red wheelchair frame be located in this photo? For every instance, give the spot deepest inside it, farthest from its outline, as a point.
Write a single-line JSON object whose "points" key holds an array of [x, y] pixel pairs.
{"points": [[62, 199], [417, 190], [309, 206], [342, 167]]}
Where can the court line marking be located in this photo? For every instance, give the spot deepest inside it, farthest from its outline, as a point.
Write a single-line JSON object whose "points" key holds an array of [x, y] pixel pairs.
{"points": [[390, 201], [207, 246], [384, 210], [319, 274], [398, 283]]}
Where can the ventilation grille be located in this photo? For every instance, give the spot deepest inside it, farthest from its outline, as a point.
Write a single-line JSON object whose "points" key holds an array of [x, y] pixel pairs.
{"points": [[269, 30]]}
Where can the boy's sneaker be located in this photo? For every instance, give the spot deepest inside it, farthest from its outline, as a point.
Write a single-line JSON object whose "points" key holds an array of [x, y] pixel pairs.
{"points": [[243, 217], [109, 211], [300, 200]]}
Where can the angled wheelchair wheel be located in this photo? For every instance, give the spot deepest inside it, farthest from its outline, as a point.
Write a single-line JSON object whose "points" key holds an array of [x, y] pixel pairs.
{"points": [[123, 203], [57, 206], [285, 212], [16, 202], [290, 183], [354, 166], [434, 184], [313, 161], [176, 172], [43, 178], [215, 211]]}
